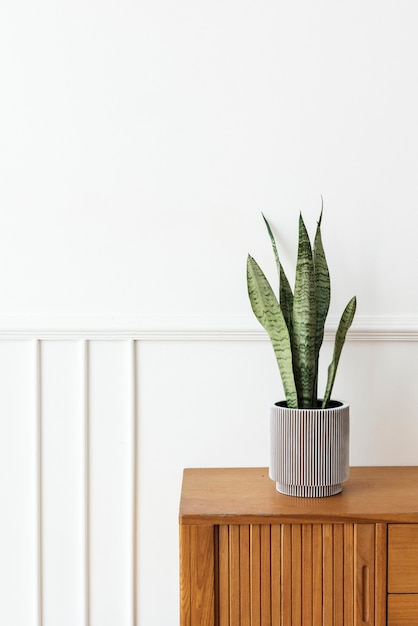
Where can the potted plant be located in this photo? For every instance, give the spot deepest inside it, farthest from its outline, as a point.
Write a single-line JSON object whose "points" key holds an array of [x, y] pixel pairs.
{"points": [[309, 437]]}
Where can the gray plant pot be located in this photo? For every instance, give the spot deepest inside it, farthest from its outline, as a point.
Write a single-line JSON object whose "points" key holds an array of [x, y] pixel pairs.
{"points": [[309, 449]]}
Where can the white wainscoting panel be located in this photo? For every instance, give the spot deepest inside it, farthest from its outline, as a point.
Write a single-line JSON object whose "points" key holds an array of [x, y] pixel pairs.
{"points": [[62, 483], [111, 467], [19, 562], [96, 428]]}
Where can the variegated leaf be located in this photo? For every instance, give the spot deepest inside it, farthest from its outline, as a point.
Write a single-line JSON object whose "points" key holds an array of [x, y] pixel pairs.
{"points": [[344, 325], [323, 294], [285, 291], [267, 310], [304, 321]]}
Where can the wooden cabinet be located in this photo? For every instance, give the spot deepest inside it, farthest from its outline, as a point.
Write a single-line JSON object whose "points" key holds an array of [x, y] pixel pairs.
{"points": [[250, 556]]}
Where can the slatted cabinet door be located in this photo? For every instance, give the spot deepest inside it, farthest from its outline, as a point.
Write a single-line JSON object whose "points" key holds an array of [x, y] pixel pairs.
{"points": [[300, 574], [284, 575]]}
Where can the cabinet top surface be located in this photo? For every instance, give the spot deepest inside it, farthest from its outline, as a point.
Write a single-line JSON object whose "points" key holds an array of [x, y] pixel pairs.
{"points": [[248, 495]]}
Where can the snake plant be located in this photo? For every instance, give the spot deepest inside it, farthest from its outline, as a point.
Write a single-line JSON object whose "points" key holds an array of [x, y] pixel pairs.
{"points": [[295, 322]]}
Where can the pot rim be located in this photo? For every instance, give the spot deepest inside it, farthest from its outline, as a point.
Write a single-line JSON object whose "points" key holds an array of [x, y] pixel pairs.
{"points": [[334, 404]]}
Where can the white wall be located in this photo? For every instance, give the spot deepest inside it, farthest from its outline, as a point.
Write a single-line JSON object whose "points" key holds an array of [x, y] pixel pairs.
{"points": [[139, 143]]}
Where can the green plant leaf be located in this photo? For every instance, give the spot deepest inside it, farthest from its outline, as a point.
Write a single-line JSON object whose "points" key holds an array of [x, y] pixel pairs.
{"points": [[285, 291], [304, 321], [343, 326], [267, 310], [323, 294]]}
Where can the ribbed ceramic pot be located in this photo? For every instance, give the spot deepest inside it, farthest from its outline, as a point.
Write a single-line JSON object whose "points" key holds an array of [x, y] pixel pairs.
{"points": [[309, 449]]}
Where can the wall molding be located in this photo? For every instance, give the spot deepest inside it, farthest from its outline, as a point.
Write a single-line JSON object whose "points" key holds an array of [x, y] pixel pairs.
{"points": [[364, 329]]}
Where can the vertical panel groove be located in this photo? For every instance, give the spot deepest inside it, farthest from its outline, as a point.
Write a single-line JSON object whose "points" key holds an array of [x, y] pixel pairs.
{"points": [[39, 466], [85, 396], [134, 482]]}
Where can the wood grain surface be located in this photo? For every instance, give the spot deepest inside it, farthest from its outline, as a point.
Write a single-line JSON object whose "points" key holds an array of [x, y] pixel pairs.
{"points": [[248, 495]]}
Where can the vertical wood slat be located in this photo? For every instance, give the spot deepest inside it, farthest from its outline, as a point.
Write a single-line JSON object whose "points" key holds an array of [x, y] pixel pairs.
{"points": [[348, 574], [364, 573], [317, 568], [234, 576], [328, 574], [338, 575], [223, 589], [381, 574], [307, 574], [255, 565], [244, 575], [296, 609], [266, 571], [276, 558], [286, 575]]}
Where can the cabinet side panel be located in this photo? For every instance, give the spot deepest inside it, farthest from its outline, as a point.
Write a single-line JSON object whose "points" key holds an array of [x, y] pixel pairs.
{"points": [[202, 577], [185, 575]]}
